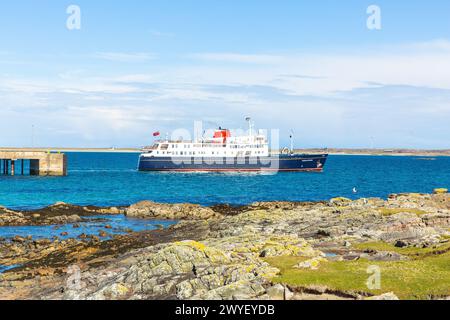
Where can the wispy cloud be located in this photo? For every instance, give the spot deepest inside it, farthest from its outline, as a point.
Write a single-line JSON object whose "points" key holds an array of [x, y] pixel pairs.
{"points": [[301, 76], [161, 34], [436, 45], [125, 57], [239, 58]]}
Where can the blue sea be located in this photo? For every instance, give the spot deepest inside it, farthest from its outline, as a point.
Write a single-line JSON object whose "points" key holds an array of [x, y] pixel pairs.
{"points": [[111, 179]]}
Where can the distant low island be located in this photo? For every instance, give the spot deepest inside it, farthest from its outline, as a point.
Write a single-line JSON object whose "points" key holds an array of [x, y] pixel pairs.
{"points": [[381, 152], [332, 151]]}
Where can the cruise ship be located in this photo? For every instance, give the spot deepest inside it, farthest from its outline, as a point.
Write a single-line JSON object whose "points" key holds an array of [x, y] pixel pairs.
{"points": [[226, 153]]}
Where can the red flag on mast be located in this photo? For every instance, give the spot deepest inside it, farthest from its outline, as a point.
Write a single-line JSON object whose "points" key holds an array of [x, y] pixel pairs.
{"points": [[156, 134]]}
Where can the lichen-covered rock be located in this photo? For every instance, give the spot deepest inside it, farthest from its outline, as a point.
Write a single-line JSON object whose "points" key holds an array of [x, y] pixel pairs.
{"points": [[226, 268], [385, 296], [279, 292], [312, 264], [440, 191], [149, 209], [239, 290], [11, 218], [437, 220], [116, 291], [340, 201], [58, 214]]}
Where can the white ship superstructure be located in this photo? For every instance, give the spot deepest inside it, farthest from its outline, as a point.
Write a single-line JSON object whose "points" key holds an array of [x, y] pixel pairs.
{"points": [[222, 145]]}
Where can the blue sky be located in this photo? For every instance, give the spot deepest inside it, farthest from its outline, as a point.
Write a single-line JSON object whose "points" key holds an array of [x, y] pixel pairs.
{"points": [[140, 66]]}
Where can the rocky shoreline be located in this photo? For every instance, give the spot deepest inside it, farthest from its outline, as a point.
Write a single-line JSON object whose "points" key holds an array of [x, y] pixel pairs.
{"points": [[57, 214], [273, 250]]}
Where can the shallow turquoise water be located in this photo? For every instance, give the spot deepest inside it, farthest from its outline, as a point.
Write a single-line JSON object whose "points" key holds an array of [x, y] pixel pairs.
{"points": [[108, 179], [119, 225], [6, 268]]}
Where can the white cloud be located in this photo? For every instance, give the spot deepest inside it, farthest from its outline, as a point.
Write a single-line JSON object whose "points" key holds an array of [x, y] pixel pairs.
{"points": [[239, 58], [129, 78], [125, 57], [161, 34], [437, 44]]}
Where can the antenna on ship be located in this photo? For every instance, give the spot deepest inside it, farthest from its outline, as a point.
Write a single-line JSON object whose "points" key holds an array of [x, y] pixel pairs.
{"points": [[292, 141], [250, 125]]}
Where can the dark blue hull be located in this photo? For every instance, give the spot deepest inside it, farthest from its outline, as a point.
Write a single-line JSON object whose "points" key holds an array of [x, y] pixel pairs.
{"points": [[282, 163]]}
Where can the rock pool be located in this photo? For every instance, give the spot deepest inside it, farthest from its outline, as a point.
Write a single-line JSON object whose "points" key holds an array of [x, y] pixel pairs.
{"points": [[111, 225]]}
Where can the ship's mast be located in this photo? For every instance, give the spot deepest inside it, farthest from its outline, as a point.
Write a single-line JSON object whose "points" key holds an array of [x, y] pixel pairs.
{"points": [[292, 141], [250, 125]]}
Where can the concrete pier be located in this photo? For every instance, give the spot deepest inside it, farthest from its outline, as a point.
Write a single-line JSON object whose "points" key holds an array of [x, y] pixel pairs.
{"points": [[40, 163]]}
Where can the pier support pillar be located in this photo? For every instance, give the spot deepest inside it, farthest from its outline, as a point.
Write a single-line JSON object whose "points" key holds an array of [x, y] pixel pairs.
{"points": [[53, 165], [21, 167], [13, 167], [34, 167]]}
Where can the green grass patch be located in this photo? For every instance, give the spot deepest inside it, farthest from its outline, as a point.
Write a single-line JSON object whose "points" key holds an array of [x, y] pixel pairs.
{"points": [[391, 211], [424, 278]]}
